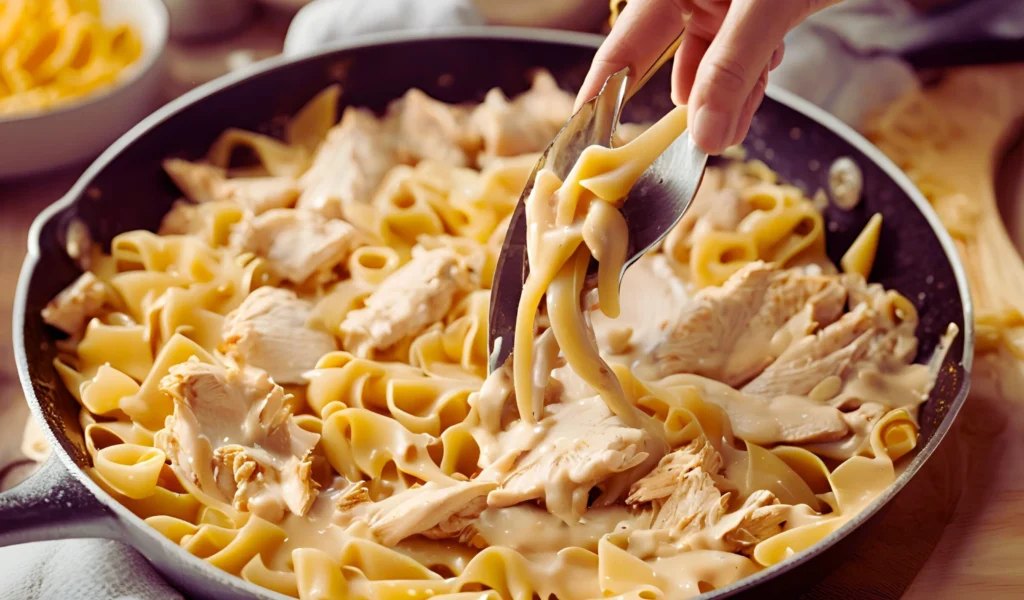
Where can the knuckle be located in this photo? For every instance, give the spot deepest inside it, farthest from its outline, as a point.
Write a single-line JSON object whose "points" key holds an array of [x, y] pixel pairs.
{"points": [[727, 75], [683, 6]]}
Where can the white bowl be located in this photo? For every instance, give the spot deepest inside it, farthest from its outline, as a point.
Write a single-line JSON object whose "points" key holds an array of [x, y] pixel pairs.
{"points": [[73, 133]]}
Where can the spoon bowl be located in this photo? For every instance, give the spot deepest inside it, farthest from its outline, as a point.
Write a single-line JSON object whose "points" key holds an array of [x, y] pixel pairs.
{"points": [[652, 208]]}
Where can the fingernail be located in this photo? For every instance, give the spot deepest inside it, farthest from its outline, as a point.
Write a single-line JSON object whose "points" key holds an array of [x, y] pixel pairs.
{"points": [[713, 129]]}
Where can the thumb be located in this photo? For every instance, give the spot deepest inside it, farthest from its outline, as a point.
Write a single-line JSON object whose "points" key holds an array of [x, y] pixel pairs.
{"points": [[740, 52]]}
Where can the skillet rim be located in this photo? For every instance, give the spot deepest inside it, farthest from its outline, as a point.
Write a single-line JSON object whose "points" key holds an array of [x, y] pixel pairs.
{"points": [[128, 520]]}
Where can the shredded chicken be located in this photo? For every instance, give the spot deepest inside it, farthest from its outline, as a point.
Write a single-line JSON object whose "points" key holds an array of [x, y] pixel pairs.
{"points": [[426, 128], [271, 330], [76, 305], [583, 445], [688, 497], [663, 480], [862, 334], [203, 183], [726, 332], [455, 525], [351, 496], [297, 244], [898, 345], [348, 167], [412, 298], [832, 351], [233, 435], [760, 517], [526, 124], [437, 510], [694, 505]]}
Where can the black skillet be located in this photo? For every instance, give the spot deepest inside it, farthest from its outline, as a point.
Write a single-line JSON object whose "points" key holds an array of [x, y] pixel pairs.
{"points": [[125, 189]]}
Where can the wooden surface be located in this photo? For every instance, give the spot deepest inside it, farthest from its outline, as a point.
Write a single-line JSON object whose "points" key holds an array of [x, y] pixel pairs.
{"points": [[981, 551], [958, 529]]}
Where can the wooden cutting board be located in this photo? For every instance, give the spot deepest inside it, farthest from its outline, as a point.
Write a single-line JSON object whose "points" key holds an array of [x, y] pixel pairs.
{"points": [[957, 531]]}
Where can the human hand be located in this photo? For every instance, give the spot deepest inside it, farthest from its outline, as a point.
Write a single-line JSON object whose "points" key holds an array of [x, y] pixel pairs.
{"points": [[721, 67]]}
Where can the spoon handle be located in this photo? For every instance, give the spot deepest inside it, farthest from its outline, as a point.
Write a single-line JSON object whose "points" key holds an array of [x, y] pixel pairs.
{"points": [[664, 58]]}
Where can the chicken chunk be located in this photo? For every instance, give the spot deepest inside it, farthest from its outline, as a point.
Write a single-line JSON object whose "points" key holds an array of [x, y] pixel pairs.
{"points": [[407, 302], [871, 331], [261, 489], [271, 331], [894, 314], [582, 445], [76, 305], [203, 183], [349, 166], [760, 517], [726, 332], [426, 128], [437, 510], [197, 181], [297, 244], [526, 124], [695, 504], [233, 435], [833, 351], [352, 495], [765, 421], [184, 218], [689, 501], [663, 480], [260, 194]]}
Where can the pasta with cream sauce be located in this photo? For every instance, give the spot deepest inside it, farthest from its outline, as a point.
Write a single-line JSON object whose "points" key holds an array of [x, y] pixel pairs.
{"points": [[289, 381]]}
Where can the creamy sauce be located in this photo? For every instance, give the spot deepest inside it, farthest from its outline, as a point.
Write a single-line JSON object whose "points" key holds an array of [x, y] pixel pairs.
{"points": [[588, 466], [561, 217], [532, 530]]}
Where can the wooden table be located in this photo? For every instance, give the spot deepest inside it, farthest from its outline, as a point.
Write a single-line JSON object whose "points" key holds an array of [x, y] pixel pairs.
{"points": [[957, 530]]}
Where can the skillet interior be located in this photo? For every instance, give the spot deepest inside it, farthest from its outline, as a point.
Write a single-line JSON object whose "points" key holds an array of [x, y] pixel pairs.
{"points": [[128, 190]]}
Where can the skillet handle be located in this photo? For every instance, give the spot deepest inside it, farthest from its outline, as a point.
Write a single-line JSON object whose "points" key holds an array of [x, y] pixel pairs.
{"points": [[52, 504]]}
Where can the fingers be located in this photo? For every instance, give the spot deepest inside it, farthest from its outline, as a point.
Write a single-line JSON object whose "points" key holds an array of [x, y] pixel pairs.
{"points": [[731, 67], [641, 33], [777, 57], [728, 85], [749, 108], [684, 67]]}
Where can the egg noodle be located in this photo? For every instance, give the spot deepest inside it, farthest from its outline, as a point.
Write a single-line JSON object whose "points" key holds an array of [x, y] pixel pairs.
{"points": [[289, 379], [55, 51]]}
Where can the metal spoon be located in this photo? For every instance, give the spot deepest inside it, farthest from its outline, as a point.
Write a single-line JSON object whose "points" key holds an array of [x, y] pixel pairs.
{"points": [[654, 205]]}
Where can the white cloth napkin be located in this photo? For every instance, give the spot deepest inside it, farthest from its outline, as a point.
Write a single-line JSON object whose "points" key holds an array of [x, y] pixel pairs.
{"points": [[845, 59], [325, 21], [79, 570]]}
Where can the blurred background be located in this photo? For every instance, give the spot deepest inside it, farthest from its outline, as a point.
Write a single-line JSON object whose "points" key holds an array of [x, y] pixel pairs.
{"points": [[859, 59]]}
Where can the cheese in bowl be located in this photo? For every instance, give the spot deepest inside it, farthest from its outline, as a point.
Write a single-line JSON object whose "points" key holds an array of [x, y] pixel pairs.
{"points": [[57, 51], [74, 76]]}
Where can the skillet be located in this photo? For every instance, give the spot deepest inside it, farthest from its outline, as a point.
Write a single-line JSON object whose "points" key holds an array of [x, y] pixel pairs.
{"points": [[126, 189]]}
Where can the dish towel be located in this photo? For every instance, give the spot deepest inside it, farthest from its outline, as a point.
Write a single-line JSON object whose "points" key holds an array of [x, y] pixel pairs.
{"points": [[846, 59]]}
